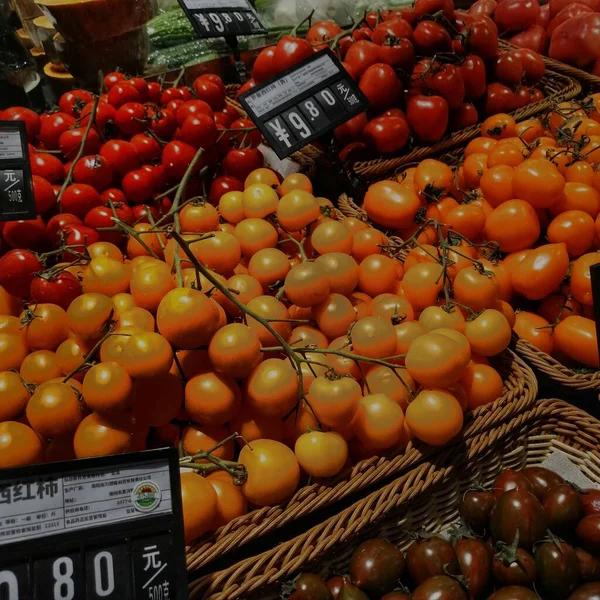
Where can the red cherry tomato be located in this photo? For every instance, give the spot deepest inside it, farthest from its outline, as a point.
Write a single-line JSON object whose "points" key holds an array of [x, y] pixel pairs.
{"points": [[57, 223], [251, 138], [113, 195], [361, 56], [483, 39], [499, 99], [43, 193], [447, 82], [131, 118], [509, 69], [393, 29], [221, 185], [191, 108], [73, 101], [121, 156], [141, 85], [473, 74], [147, 148], [25, 234], [93, 170], [431, 7], [427, 116], [138, 186], [47, 166], [176, 159], [140, 213], [60, 289], [400, 55], [31, 119], [465, 116], [123, 92], [102, 216], [430, 37], [52, 127], [78, 236], [263, 65], [289, 51], [210, 92], [71, 140], [105, 115], [154, 92], [386, 134], [79, 198], [162, 122], [240, 162], [199, 131], [17, 270], [111, 79]]}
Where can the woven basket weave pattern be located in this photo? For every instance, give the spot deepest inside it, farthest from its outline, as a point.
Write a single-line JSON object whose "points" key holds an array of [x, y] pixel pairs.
{"points": [[425, 499]]}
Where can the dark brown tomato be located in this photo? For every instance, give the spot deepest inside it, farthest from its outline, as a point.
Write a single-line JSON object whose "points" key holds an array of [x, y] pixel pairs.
{"points": [[557, 569], [335, 585], [542, 480], [514, 592], [311, 587], [510, 480], [564, 509], [513, 567], [431, 556], [588, 591], [376, 566], [589, 565], [440, 587], [475, 563], [591, 501], [476, 508], [518, 510], [396, 596], [351, 592], [588, 532]]}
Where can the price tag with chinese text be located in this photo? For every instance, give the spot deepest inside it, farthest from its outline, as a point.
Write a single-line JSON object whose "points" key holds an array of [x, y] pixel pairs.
{"points": [[16, 187], [304, 102], [107, 527], [222, 18]]}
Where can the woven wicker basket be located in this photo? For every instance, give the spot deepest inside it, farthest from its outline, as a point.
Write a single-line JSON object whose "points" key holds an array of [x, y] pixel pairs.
{"points": [[556, 86], [425, 499], [307, 157], [558, 373], [520, 390]]}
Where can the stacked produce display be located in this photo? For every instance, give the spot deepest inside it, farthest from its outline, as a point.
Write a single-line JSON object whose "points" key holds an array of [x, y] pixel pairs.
{"points": [[179, 288], [506, 548]]}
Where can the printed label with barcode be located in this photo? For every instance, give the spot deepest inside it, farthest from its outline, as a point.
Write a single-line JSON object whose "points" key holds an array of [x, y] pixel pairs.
{"points": [[304, 102], [216, 18]]}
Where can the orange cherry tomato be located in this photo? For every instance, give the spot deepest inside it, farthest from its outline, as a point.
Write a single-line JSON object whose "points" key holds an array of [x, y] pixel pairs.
{"points": [[434, 416], [198, 517], [576, 338], [19, 445]]}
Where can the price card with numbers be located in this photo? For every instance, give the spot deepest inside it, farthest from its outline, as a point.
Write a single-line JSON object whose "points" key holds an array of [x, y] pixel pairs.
{"points": [[16, 187], [304, 102], [102, 528], [221, 18]]}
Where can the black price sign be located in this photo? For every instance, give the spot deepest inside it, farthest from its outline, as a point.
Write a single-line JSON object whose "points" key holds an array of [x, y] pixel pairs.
{"points": [[16, 187], [107, 528], [221, 18], [304, 102]]}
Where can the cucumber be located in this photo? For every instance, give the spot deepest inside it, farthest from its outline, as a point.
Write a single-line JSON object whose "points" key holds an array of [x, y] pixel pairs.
{"points": [[171, 28]]}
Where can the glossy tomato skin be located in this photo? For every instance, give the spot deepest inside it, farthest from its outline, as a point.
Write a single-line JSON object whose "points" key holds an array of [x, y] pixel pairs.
{"points": [[430, 37], [310, 586], [361, 55], [564, 507], [499, 99], [60, 289], [53, 127], [428, 557], [93, 170], [465, 116], [476, 508], [589, 565], [475, 563], [263, 65], [387, 134], [289, 51], [518, 510], [557, 569], [79, 235], [20, 113], [176, 159], [56, 223], [591, 501], [516, 15], [381, 86], [483, 39], [473, 74], [400, 55], [577, 40], [376, 566], [17, 270], [47, 166], [221, 185], [240, 162], [79, 198], [43, 194], [25, 234], [588, 533], [121, 156], [427, 117], [514, 567], [440, 587], [393, 28], [510, 480], [542, 480], [514, 592]]}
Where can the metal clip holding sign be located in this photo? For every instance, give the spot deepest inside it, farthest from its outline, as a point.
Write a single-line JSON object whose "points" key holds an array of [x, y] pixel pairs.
{"points": [[304, 102], [17, 202], [101, 528]]}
